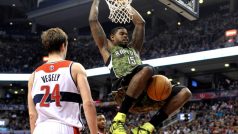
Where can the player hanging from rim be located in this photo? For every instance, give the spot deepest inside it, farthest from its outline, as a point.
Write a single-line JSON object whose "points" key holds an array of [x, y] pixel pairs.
{"points": [[126, 69], [57, 88]]}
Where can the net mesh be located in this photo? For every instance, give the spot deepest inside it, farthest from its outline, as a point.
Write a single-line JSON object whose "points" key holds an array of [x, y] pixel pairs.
{"points": [[120, 11]]}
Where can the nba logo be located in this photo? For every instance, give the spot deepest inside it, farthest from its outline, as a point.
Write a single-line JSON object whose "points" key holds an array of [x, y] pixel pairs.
{"points": [[52, 67]]}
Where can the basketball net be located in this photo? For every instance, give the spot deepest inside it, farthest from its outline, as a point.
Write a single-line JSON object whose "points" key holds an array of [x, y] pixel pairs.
{"points": [[120, 11]]}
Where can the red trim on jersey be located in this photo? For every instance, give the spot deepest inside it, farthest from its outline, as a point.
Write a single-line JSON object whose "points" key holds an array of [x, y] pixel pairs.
{"points": [[76, 130], [52, 67]]}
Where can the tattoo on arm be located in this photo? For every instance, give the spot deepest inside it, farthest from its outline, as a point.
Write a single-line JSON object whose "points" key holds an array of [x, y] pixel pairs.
{"points": [[100, 33]]}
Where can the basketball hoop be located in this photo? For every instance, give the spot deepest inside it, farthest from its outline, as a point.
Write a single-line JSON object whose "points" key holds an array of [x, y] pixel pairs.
{"points": [[120, 11]]}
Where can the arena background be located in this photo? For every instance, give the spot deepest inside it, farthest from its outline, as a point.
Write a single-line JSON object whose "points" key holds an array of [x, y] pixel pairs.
{"points": [[201, 54]]}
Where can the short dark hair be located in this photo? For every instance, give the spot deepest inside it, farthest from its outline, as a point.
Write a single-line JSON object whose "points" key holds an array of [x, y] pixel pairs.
{"points": [[114, 30], [53, 38], [98, 114]]}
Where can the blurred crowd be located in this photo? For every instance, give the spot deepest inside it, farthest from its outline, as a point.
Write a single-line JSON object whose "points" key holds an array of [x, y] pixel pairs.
{"points": [[201, 35], [210, 117], [15, 119], [23, 53]]}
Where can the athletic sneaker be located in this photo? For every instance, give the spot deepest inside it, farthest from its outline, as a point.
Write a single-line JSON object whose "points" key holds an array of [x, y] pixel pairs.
{"points": [[118, 122], [146, 128]]}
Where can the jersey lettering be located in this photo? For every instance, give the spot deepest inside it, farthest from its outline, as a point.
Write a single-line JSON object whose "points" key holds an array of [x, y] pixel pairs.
{"points": [[50, 77]]}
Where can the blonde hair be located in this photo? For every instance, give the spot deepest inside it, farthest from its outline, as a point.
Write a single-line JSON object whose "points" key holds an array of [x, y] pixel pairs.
{"points": [[53, 38]]}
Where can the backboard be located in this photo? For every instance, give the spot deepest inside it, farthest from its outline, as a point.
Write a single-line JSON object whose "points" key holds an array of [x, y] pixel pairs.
{"points": [[187, 8]]}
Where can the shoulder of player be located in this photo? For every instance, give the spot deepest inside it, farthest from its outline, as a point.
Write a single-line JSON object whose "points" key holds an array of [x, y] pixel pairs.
{"points": [[130, 45], [31, 77], [78, 68], [30, 81], [109, 44]]}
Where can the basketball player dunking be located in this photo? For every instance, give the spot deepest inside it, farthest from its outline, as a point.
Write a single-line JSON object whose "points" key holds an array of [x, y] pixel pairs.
{"points": [[56, 89], [123, 59]]}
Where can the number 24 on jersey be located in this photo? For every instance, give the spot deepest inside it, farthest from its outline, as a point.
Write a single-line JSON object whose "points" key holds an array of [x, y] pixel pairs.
{"points": [[55, 96]]}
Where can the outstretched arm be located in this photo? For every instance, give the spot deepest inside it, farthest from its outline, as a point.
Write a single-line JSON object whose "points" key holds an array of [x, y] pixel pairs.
{"points": [[98, 33], [31, 106], [139, 30]]}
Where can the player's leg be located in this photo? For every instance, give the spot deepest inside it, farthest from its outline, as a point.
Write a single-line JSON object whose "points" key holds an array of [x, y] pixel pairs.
{"points": [[137, 81], [137, 85], [179, 96]]}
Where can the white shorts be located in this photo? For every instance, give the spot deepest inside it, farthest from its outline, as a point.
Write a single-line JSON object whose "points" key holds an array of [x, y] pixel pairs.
{"points": [[55, 128]]}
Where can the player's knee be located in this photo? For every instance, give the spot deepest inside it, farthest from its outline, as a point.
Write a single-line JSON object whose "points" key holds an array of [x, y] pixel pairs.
{"points": [[147, 71], [186, 93]]}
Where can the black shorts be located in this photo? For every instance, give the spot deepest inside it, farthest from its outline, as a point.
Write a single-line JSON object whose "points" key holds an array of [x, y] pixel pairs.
{"points": [[175, 90], [144, 104], [125, 80]]}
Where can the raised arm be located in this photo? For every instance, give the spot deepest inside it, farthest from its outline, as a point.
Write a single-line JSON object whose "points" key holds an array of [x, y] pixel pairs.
{"points": [[31, 106], [139, 31], [98, 33], [79, 72]]}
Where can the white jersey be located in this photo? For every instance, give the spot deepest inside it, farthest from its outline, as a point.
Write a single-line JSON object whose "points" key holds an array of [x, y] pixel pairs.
{"points": [[55, 94]]}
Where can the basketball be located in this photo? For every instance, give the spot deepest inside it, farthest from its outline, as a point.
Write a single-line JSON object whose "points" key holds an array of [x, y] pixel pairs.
{"points": [[160, 88]]}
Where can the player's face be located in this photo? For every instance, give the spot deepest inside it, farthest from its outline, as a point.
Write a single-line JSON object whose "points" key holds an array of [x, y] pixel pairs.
{"points": [[121, 37], [101, 120]]}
